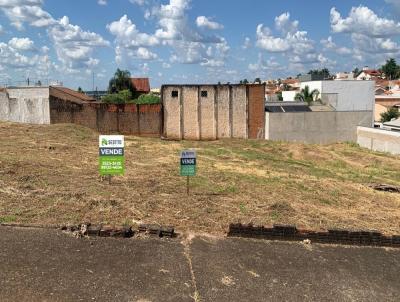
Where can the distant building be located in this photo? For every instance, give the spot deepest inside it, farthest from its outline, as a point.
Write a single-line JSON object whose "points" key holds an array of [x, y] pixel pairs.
{"points": [[141, 85], [369, 74], [289, 96], [344, 76]]}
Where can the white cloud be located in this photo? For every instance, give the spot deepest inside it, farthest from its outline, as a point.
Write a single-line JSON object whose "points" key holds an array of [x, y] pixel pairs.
{"points": [[130, 43], [145, 54], [74, 46], [102, 2], [139, 2], [329, 45], [21, 44], [127, 35], [284, 25], [246, 43], [266, 41], [371, 35], [26, 11], [265, 65], [362, 20], [204, 22], [166, 65]]}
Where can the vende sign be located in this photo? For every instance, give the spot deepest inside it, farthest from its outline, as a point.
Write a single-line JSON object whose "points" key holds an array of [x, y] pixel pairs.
{"points": [[111, 155], [188, 163]]}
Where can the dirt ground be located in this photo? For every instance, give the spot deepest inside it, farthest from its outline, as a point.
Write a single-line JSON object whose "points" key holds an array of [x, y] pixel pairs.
{"points": [[49, 175]]}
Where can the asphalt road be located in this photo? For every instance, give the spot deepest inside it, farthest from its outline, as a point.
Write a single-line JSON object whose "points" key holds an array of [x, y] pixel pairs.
{"points": [[48, 265]]}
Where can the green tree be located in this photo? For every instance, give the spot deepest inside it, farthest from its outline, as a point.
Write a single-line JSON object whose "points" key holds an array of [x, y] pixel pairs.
{"points": [[392, 113], [279, 94], [391, 69], [120, 81], [80, 90], [356, 72], [306, 95], [257, 81], [323, 72]]}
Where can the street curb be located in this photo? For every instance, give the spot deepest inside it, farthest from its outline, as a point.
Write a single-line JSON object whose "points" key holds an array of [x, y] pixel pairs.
{"points": [[333, 236], [120, 231], [100, 230]]}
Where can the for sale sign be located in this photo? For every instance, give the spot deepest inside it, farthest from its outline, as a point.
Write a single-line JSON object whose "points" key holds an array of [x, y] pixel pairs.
{"points": [[188, 163], [111, 155]]}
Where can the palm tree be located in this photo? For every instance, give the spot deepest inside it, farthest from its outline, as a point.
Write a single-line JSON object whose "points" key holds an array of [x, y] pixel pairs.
{"points": [[120, 81], [306, 96]]}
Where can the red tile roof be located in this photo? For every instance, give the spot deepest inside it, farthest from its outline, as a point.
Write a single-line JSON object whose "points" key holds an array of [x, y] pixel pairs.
{"points": [[69, 94], [372, 72], [141, 84]]}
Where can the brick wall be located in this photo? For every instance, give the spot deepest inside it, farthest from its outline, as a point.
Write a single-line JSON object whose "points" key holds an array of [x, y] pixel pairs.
{"points": [[256, 95], [130, 119], [287, 232]]}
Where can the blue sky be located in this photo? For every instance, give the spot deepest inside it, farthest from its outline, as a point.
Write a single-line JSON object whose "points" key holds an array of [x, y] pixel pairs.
{"points": [[191, 41]]}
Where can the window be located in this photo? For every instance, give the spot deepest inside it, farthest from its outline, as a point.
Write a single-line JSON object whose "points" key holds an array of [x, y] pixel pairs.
{"points": [[204, 93], [174, 93]]}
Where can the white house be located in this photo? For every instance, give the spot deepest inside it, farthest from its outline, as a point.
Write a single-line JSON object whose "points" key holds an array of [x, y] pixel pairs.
{"points": [[289, 96], [368, 74], [344, 76], [345, 95]]}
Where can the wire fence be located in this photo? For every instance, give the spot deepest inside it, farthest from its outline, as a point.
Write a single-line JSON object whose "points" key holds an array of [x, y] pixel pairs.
{"points": [[30, 82]]}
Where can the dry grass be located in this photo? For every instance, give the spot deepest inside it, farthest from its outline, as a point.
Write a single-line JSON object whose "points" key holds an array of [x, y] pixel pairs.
{"points": [[49, 175]]}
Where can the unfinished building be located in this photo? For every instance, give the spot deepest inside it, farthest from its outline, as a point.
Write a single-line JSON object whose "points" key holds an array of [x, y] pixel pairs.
{"points": [[210, 112]]}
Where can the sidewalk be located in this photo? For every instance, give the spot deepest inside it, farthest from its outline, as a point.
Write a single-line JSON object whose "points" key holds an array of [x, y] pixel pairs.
{"points": [[48, 265]]}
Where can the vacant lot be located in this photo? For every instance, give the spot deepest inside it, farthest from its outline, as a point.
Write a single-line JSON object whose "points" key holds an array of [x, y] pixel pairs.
{"points": [[49, 175]]}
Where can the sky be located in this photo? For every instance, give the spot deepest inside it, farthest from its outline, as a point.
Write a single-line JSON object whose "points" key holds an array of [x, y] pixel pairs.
{"points": [[82, 42]]}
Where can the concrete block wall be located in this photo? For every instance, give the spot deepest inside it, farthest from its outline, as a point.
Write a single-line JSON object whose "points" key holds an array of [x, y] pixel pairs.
{"points": [[379, 140], [239, 111], [172, 112], [224, 114], [26, 105], [209, 112], [207, 117], [190, 108], [315, 127]]}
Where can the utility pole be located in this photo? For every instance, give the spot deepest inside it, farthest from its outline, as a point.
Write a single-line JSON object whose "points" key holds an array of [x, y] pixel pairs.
{"points": [[93, 81]]}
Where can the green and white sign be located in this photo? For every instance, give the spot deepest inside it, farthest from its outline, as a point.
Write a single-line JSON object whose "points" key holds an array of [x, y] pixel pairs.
{"points": [[111, 155], [188, 163]]}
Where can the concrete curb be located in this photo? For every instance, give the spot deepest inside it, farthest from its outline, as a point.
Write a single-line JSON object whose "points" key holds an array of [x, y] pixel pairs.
{"points": [[291, 233]]}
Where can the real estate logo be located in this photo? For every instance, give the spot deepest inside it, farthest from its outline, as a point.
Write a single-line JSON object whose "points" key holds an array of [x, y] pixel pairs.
{"points": [[111, 155]]}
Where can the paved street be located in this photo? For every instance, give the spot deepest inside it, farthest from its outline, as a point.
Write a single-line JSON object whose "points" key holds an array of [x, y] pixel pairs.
{"points": [[48, 265]]}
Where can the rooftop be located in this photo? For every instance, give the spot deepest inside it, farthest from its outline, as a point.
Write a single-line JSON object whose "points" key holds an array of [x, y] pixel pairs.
{"points": [[141, 84]]}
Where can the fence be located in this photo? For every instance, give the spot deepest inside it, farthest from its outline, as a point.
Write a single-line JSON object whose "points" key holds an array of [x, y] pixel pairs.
{"points": [[132, 119]]}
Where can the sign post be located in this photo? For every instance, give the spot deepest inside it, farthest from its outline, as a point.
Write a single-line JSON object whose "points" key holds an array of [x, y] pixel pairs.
{"points": [[188, 165], [111, 155]]}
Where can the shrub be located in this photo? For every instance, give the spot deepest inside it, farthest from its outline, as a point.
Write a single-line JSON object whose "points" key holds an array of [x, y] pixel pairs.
{"points": [[148, 99], [392, 113], [121, 97]]}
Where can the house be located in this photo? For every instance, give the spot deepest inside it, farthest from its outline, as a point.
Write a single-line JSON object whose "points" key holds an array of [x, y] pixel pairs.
{"points": [[369, 74], [289, 96], [384, 102], [393, 125], [344, 76], [345, 106], [141, 85], [380, 90]]}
